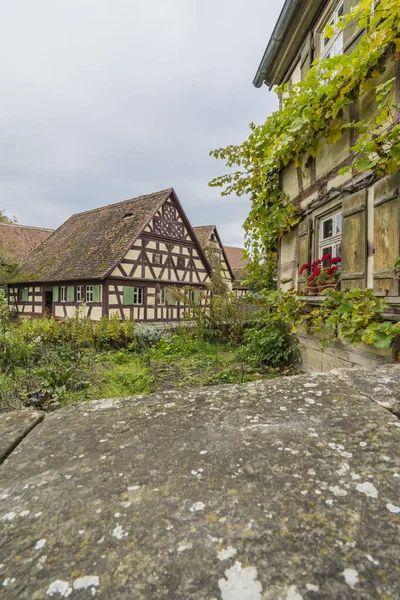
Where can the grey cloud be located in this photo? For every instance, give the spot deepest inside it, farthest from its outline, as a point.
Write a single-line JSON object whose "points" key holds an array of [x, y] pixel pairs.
{"points": [[103, 100]]}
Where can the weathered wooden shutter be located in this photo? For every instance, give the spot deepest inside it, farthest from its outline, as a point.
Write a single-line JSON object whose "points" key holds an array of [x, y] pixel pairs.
{"points": [[71, 293], [352, 27], [96, 293], [197, 297], [386, 235], [25, 295], [171, 300], [306, 57], [55, 294], [354, 241], [303, 232], [128, 296]]}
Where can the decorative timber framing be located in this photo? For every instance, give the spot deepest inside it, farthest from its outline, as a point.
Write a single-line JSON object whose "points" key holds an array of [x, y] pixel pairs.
{"points": [[104, 259]]}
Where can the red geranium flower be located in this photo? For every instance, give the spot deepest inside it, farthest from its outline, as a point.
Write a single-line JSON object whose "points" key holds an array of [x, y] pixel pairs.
{"points": [[316, 272], [336, 260], [330, 271], [304, 268], [326, 257], [311, 278], [316, 263]]}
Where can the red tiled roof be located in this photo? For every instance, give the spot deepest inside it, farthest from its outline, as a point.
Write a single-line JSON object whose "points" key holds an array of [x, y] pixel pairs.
{"points": [[89, 244], [237, 260], [18, 241]]}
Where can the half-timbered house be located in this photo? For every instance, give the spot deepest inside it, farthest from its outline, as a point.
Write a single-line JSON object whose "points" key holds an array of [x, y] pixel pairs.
{"points": [[238, 262], [122, 259], [355, 215], [210, 241]]}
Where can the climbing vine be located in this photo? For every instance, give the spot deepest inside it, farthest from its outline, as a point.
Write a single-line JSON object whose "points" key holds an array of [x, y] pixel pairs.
{"points": [[313, 111], [353, 316]]}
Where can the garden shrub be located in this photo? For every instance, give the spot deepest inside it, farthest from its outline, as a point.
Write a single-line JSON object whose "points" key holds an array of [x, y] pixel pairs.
{"points": [[269, 343], [146, 336], [219, 314]]}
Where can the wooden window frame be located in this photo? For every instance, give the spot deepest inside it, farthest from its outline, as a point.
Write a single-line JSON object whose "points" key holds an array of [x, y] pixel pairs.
{"points": [[334, 241], [89, 294], [161, 299], [138, 296], [80, 293], [334, 46]]}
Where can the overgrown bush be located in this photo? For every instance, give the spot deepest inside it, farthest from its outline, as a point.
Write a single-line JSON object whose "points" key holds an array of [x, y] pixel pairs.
{"points": [[146, 336], [269, 343], [219, 315]]}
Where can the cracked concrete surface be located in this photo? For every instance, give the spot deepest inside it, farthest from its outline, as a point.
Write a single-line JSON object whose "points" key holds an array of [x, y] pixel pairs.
{"points": [[276, 490]]}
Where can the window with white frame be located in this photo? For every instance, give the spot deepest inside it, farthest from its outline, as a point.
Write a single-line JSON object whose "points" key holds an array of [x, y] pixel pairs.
{"points": [[161, 296], [330, 47], [79, 293], [63, 296], [89, 293], [157, 258], [137, 295], [330, 235]]}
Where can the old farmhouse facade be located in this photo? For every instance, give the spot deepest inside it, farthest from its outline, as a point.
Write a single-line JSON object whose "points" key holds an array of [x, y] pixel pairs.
{"points": [[210, 241], [123, 259], [353, 216]]}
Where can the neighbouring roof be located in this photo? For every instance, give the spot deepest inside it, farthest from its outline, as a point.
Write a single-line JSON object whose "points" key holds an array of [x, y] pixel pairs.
{"points": [[237, 260], [295, 21], [203, 233], [91, 243], [17, 241]]}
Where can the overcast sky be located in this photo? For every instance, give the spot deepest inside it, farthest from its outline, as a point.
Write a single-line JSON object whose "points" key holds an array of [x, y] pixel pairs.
{"points": [[104, 100]]}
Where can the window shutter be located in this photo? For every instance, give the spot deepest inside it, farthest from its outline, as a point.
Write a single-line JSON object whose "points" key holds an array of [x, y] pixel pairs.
{"points": [[71, 293], [196, 297], [128, 296], [354, 241], [306, 57], [303, 232], [351, 28], [25, 295], [386, 235], [96, 293], [55, 294], [171, 300]]}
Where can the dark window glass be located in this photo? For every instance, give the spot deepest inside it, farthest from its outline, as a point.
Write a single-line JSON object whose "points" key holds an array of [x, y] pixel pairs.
{"points": [[327, 229]]}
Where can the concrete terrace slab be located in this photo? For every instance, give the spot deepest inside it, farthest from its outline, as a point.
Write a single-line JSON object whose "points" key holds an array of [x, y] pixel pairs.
{"points": [[14, 426], [279, 490]]}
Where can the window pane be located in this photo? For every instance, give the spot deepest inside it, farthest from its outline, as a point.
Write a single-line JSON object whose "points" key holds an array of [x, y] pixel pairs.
{"points": [[327, 229], [339, 221], [326, 250]]}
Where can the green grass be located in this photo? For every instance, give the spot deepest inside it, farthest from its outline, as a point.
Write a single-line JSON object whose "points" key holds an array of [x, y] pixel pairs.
{"points": [[181, 361]]}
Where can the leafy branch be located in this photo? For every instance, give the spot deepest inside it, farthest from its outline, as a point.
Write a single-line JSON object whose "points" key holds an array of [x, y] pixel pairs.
{"points": [[315, 110]]}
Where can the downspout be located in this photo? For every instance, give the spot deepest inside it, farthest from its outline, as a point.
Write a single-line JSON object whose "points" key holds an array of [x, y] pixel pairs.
{"points": [[288, 11]]}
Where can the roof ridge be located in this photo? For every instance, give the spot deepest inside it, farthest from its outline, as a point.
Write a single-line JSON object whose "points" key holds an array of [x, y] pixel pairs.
{"points": [[25, 226], [203, 226], [92, 210]]}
